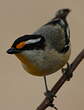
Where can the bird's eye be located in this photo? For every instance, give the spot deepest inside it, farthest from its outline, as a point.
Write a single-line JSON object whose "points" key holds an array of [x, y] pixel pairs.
{"points": [[20, 45]]}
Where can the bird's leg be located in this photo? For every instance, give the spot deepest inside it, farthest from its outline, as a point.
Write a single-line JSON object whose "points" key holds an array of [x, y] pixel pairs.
{"points": [[48, 93], [46, 86], [64, 71]]}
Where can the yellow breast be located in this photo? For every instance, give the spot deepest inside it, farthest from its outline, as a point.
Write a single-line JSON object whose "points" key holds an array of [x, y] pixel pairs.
{"points": [[30, 68], [53, 62]]}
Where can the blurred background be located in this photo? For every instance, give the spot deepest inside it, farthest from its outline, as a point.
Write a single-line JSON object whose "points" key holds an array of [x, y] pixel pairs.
{"points": [[20, 90]]}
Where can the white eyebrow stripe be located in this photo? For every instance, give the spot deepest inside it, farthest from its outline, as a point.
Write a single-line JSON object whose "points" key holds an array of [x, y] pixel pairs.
{"points": [[32, 41], [63, 23], [68, 32]]}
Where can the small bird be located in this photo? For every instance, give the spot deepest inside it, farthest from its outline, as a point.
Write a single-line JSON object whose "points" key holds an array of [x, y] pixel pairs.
{"points": [[46, 50]]}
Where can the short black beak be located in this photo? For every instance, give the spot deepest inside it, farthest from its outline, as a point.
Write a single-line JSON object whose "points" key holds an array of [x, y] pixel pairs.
{"points": [[12, 51], [69, 10]]}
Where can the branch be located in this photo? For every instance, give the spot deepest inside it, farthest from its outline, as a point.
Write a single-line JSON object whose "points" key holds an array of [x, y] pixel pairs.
{"points": [[62, 80]]}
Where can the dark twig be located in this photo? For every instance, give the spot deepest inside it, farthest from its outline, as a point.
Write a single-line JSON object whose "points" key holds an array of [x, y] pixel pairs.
{"points": [[61, 81]]}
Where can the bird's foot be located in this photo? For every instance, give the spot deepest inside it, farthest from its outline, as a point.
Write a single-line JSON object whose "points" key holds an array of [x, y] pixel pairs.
{"points": [[64, 71], [53, 106], [50, 96]]}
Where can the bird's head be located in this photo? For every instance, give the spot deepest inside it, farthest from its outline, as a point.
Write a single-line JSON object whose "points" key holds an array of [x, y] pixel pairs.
{"points": [[62, 13], [26, 42]]}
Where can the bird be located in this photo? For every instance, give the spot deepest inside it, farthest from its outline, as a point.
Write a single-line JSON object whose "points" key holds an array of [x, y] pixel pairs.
{"points": [[46, 50]]}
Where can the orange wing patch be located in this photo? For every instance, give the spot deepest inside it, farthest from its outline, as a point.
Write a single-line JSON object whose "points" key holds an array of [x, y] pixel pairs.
{"points": [[20, 45]]}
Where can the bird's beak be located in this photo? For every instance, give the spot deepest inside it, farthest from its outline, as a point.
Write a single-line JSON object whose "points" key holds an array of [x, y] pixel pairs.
{"points": [[12, 51], [69, 10]]}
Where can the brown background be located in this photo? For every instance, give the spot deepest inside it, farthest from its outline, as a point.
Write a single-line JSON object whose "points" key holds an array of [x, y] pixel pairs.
{"points": [[19, 90]]}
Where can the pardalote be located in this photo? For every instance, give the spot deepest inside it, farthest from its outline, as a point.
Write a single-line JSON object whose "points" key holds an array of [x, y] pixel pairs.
{"points": [[47, 50]]}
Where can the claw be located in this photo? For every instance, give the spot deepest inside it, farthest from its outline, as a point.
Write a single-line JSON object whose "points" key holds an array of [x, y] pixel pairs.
{"points": [[64, 71], [49, 94], [53, 106]]}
